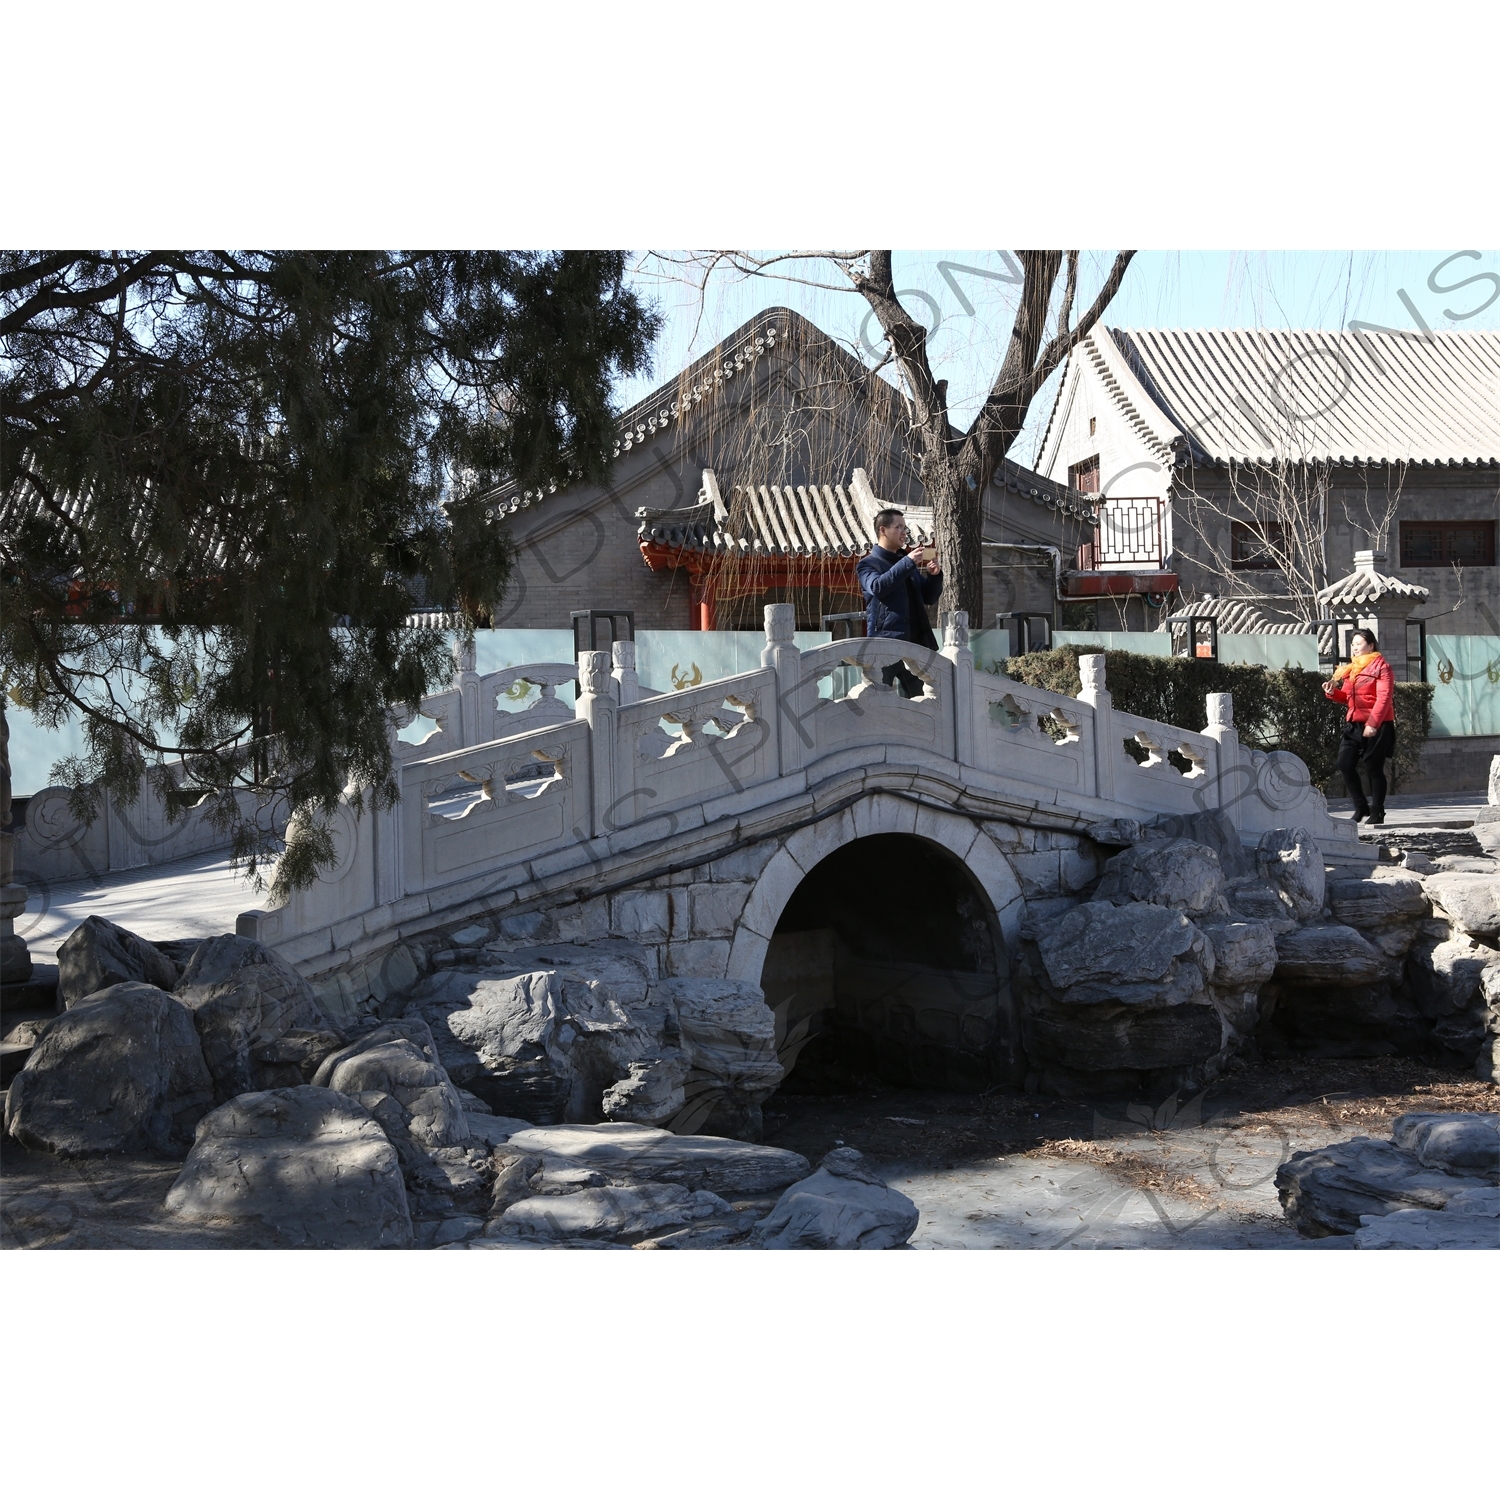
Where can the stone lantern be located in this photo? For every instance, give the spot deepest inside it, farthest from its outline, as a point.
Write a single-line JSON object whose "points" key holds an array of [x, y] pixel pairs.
{"points": [[1379, 602]]}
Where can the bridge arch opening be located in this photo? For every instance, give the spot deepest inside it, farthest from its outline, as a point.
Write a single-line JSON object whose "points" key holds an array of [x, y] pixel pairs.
{"points": [[888, 964]]}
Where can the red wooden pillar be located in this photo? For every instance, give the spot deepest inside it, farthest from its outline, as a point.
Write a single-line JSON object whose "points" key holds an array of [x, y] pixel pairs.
{"points": [[701, 602]]}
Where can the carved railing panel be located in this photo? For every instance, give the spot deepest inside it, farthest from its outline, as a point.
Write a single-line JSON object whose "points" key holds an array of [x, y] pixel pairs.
{"points": [[489, 806]]}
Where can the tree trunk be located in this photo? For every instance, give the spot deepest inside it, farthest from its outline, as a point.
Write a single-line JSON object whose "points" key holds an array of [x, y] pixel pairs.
{"points": [[960, 527]]}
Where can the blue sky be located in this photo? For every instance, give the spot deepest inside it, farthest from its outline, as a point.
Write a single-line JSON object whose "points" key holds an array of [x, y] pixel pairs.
{"points": [[1162, 289]]}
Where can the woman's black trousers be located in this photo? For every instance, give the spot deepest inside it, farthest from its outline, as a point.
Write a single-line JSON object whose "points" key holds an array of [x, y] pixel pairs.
{"points": [[1355, 751]]}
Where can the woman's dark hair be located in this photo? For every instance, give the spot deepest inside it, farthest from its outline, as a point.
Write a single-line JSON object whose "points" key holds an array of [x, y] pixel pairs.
{"points": [[1369, 635]]}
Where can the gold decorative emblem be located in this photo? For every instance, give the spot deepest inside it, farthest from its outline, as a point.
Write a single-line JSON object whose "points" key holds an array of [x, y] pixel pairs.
{"points": [[519, 689], [689, 679], [1445, 672], [1492, 671]]}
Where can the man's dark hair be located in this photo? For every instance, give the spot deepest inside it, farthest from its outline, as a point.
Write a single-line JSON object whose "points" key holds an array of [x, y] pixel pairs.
{"points": [[883, 518]]}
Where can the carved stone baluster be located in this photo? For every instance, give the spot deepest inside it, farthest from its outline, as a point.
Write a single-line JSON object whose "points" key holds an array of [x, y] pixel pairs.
{"points": [[796, 700], [956, 649], [1228, 777], [627, 685], [597, 706], [1107, 744]]}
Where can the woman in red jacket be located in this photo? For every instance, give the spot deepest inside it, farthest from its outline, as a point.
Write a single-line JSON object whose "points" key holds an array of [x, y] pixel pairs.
{"points": [[1367, 684]]}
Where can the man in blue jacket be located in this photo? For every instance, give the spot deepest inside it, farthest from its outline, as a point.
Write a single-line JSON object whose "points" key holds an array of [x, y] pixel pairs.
{"points": [[897, 590]]}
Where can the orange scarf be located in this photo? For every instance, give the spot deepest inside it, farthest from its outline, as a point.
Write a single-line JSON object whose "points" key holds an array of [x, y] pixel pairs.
{"points": [[1356, 666]]}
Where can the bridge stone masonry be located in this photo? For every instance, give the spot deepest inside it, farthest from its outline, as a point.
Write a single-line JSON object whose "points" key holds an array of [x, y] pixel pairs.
{"points": [[797, 868]]}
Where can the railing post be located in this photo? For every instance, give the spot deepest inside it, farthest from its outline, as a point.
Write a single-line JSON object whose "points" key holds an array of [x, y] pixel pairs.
{"points": [[1106, 742], [386, 821], [627, 684], [1221, 730], [597, 706], [466, 681], [794, 698], [956, 649]]}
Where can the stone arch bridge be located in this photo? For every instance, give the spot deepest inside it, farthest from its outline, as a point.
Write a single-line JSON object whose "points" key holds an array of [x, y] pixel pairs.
{"points": [[801, 827]]}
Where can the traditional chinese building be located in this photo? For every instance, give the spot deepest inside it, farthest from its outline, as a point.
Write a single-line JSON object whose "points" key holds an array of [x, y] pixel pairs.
{"points": [[753, 478]]}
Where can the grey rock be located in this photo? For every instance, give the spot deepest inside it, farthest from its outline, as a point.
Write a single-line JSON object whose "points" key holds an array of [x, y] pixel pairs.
{"points": [[459, 1227], [637, 1153], [494, 1130], [394, 1063], [1214, 829], [1175, 873], [1292, 861], [1420, 864], [650, 1093], [1327, 1191], [98, 954], [1494, 783], [1453, 1142], [1099, 944], [1446, 980], [302, 1167], [1472, 901], [842, 1206], [541, 1033], [1379, 901], [1117, 833], [461, 1175], [707, 1236], [473, 1104], [121, 1071], [515, 1171], [1259, 900], [243, 997], [1117, 992], [575, 1033], [1423, 1229], [1328, 954], [608, 1213], [1244, 953]]}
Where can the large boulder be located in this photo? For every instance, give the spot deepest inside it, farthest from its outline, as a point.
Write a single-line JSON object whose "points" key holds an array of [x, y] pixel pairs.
{"points": [[1118, 995], [566, 1033], [1212, 828], [245, 1000], [400, 1059], [120, 1071], [1386, 908], [1328, 954], [98, 954], [842, 1206], [1290, 859], [624, 1154], [610, 1213], [541, 1033], [727, 1034], [1455, 1143], [1445, 977], [1487, 1066], [304, 1168], [1175, 873], [1422, 1229], [1472, 901], [1330, 1190]]}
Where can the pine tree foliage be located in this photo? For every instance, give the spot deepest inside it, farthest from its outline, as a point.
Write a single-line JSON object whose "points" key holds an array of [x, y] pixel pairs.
{"points": [[225, 477]]}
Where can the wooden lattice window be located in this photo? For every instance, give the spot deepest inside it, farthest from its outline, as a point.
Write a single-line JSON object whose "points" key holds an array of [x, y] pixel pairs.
{"points": [[1250, 546], [1439, 544]]}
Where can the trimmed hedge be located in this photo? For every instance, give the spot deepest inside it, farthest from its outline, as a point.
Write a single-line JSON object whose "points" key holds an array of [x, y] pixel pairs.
{"points": [[1281, 710]]}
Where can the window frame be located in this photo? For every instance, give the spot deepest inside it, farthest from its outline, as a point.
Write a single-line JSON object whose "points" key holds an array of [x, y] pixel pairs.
{"points": [[1484, 529], [1240, 531]]}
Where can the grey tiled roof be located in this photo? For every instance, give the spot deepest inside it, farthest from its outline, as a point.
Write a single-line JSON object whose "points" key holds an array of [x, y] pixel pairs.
{"points": [[1267, 394]]}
